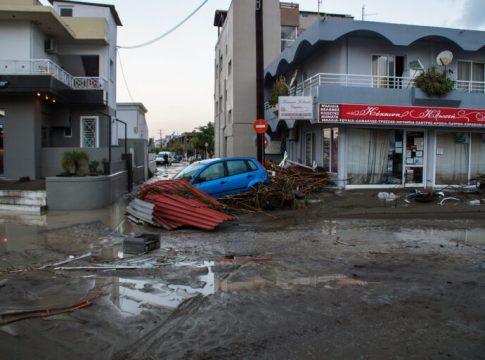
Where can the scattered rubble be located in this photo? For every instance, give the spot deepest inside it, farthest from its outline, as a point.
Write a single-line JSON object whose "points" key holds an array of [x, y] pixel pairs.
{"points": [[288, 186]]}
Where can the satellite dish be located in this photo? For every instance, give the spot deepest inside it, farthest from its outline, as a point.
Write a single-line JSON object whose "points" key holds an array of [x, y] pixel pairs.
{"points": [[444, 58]]}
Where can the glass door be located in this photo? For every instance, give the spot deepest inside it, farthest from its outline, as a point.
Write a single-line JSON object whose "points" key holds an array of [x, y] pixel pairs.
{"points": [[414, 155]]}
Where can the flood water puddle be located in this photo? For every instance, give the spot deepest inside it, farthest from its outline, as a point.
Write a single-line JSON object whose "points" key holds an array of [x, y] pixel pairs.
{"points": [[133, 295]]}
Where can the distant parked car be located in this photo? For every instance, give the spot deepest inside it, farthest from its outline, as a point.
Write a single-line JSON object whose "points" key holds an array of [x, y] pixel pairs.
{"points": [[219, 177], [164, 158]]}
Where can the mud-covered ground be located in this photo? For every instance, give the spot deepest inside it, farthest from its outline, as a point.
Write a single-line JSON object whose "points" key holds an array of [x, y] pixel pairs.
{"points": [[347, 277]]}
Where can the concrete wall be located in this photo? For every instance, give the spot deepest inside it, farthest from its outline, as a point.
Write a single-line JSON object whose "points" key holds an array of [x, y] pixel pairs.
{"points": [[21, 136], [51, 159], [85, 193], [12, 37]]}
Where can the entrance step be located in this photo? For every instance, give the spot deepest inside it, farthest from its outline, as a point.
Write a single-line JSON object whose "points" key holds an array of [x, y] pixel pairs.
{"points": [[29, 201]]}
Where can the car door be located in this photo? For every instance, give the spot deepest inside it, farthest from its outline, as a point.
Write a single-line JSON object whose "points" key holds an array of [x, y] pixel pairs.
{"points": [[212, 180], [239, 175]]}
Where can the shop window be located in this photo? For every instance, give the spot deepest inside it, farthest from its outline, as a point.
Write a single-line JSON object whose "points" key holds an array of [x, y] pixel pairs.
{"points": [[470, 76], [477, 158], [89, 131], [374, 156], [309, 148], [330, 149], [452, 154]]}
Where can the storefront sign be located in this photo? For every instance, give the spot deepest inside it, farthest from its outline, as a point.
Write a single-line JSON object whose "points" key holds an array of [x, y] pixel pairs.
{"points": [[295, 107], [401, 115]]}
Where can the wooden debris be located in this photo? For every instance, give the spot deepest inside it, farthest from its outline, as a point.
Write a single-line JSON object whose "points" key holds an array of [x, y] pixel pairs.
{"points": [[287, 187]]}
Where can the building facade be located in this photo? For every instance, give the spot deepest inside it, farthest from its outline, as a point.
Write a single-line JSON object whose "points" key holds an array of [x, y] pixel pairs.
{"points": [[366, 121], [57, 84], [235, 66], [133, 130]]}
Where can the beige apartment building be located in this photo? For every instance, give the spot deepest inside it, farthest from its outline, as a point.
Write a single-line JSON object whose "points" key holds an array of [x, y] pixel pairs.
{"points": [[235, 66]]}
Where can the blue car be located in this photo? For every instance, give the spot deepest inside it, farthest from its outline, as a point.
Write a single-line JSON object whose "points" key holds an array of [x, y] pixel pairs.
{"points": [[219, 177]]}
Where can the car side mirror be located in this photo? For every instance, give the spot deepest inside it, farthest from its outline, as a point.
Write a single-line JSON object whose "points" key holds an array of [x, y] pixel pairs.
{"points": [[199, 179]]}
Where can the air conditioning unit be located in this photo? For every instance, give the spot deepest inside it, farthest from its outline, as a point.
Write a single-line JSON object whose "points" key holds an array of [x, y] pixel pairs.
{"points": [[50, 46]]}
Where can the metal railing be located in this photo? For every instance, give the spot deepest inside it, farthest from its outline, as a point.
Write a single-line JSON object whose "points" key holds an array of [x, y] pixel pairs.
{"points": [[309, 86], [48, 67]]}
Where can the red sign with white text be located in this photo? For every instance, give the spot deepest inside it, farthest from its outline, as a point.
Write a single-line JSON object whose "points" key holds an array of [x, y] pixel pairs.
{"points": [[401, 115]]}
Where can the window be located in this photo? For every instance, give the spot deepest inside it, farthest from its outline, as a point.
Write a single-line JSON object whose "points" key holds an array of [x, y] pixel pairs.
{"points": [[452, 162], [220, 105], [387, 71], [229, 67], [470, 76], [229, 117], [309, 148], [89, 131], [68, 132], [235, 167], [213, 172], [65, 11], [220, 63], [252, 165], [112, 73], [288, 36]]}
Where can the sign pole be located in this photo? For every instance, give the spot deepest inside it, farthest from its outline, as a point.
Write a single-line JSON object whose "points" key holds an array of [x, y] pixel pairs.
{"points": [[259, 77]]}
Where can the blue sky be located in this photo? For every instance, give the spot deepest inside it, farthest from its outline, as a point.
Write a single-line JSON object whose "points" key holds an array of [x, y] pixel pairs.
{"points": [[174, 77]]}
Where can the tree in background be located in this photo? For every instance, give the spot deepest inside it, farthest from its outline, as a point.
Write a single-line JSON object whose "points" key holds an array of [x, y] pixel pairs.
{"points": [[201, 136]]}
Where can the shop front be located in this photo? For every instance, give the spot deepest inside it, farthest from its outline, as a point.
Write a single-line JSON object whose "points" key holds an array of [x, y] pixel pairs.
{"points": [[403, 146]]}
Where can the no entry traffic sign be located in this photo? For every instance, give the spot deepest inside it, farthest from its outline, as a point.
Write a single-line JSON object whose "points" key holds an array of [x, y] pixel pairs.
{"points": [[260, 126]]}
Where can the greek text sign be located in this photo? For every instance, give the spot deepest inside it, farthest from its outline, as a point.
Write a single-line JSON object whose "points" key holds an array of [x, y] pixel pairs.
{"points": [[295, 107], [401, 115]]}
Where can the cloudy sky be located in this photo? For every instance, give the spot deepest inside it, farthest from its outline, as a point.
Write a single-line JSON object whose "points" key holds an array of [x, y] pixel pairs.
{"points": [[173, 78]]}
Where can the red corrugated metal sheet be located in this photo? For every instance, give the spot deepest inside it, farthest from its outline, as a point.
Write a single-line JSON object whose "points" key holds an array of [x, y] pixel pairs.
{"points": [[178, 203]]}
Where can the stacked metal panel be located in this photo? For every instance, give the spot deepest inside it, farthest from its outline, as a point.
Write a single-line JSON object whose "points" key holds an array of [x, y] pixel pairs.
{"points": [[174, 203]]}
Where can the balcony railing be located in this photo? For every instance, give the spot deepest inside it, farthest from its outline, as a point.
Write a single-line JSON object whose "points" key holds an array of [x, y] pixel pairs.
{"points": [[48, 67], [310, 85]]}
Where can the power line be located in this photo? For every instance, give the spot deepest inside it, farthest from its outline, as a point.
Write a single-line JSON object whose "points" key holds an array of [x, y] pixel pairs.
{"points": [[166, 33], [124, 77]]}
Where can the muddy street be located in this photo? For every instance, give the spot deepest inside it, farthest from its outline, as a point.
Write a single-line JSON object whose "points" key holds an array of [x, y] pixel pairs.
{"points": [[326, 281]]}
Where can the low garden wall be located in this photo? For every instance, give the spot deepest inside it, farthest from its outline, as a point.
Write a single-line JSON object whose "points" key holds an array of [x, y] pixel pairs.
{"points": [[85, 193]]}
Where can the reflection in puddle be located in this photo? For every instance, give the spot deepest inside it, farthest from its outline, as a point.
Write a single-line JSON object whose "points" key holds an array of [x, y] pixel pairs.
{"points": [[132, 296]]}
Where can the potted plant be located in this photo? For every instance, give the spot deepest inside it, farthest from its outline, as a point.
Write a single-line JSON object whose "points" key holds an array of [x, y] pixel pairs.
{"points": [[434, 82], [279, 89], [74, 163], [93, 167]]}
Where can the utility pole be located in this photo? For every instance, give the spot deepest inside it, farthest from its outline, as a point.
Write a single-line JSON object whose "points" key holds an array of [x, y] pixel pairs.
{"points": [[160, 136], [259, 77]]}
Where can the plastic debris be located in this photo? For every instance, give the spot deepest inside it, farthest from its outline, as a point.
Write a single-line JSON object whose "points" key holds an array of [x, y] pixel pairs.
{"points": [[68, 260], [447, 199], [387, 196]]}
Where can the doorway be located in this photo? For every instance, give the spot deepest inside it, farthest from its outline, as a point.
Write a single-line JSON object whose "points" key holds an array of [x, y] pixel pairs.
{"points": [[414, 158]]}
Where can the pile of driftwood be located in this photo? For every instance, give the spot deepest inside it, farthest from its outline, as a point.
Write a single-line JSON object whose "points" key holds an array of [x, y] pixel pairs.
{"points": [[288, 186]]}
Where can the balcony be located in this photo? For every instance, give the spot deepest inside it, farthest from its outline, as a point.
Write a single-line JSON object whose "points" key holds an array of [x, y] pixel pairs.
{"points": [[48, 67], [309, 87]]}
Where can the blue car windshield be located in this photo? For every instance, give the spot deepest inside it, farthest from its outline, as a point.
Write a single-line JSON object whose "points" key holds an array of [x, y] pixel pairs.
{"points": [[189, 171]]}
